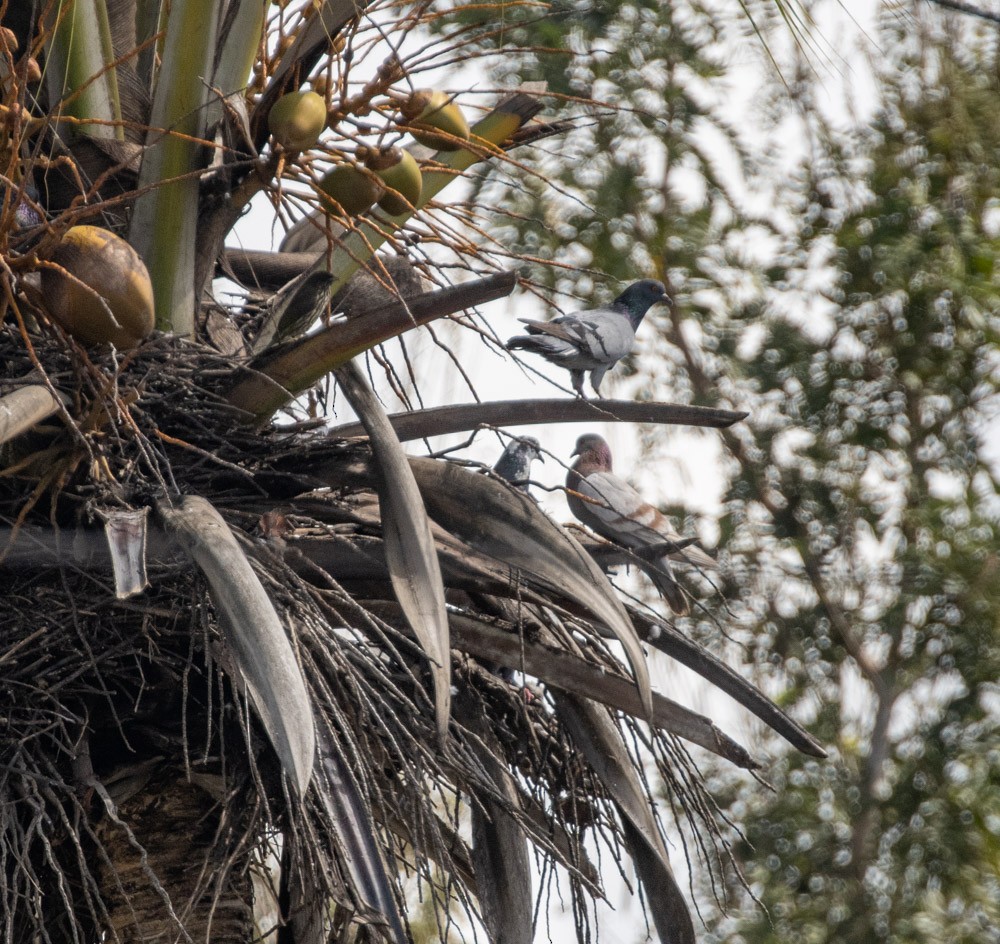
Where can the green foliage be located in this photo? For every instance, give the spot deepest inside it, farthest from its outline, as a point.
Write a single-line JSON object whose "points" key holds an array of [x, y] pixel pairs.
{"points": [[886, 617], [861, 518]]}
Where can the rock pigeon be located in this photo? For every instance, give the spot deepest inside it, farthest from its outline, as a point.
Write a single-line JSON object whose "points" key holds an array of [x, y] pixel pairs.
{"points": [[592, 340], [614, 509], [515, 463]]}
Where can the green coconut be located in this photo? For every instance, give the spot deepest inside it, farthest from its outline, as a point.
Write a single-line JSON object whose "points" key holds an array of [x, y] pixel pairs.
{"points": [[399, 171], [428, 111], [297, 119], [349, 189]]}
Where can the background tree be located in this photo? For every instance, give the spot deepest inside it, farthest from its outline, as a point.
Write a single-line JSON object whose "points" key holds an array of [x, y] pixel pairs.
{"points": [[860, 519], [873, 487]]}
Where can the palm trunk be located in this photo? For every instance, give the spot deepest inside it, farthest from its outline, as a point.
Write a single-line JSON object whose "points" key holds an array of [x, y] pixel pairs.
{"points": [[180, 886]]}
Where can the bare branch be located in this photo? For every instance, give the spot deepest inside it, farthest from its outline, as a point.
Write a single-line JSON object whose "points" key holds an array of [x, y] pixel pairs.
{"points": [[968, 9], [297, 366], [441, 420]]}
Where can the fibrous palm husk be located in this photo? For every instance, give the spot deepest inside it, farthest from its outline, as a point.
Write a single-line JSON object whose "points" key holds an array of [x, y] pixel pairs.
{"points": [[113, 703]]}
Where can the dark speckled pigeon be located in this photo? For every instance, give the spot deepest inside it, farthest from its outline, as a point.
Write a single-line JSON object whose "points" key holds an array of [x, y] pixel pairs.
{"points": [[514, 464], [615, 510], [592, 340]]}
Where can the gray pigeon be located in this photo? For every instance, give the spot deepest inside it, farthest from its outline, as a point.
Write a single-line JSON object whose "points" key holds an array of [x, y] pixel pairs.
{"points": [[514, 464], [592, 340], [614, 509]]}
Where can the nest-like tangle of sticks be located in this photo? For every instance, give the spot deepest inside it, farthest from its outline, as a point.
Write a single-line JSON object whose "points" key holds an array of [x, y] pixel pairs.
{"points": [[121, 714]]}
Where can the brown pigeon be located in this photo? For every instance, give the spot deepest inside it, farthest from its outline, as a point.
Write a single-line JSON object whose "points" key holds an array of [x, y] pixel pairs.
{"points": [[615, 510]]}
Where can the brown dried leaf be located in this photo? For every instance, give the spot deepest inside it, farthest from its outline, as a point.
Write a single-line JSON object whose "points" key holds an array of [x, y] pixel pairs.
{"points": [[409, 544], [506, 524]]}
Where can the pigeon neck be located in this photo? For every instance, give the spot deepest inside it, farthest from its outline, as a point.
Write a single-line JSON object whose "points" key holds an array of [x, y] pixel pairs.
{"points": [[634, 310], [593, 460]]}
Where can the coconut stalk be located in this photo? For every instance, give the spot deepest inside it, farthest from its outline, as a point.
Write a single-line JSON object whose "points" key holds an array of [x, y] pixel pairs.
{"points": [[165, 219], [80, 71], [563, 670], [290, 370], [502, 861], [239, 40], [149, 20]]}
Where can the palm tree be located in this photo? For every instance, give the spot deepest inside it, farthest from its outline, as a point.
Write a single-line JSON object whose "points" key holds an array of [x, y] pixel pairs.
{"points": [[241, 653]]}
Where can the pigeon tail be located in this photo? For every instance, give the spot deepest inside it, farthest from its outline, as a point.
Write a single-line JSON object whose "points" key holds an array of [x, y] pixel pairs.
{"points": [[533, 342], [663, 578], [554, 350]]}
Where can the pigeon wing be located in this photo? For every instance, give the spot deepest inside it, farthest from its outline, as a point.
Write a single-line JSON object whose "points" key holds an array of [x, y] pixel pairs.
{"points": [[605, 336], [618, 511], [552, 328]]}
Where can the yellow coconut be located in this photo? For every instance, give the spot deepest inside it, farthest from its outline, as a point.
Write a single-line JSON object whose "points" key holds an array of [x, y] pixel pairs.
{"points": [[349, 189], [400, 173], [101, 291], [427, 111], [297, 119]]}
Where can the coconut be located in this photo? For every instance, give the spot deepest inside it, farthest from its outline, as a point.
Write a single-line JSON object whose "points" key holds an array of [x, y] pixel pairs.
{"points": [[101, 292], [297, 119], [429, 110], [349, 190], [400, 173]]}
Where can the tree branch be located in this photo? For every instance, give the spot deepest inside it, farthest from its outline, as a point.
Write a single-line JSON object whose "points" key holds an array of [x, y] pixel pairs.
{"points": [[441, 420], [967, 8], [289, 370]]}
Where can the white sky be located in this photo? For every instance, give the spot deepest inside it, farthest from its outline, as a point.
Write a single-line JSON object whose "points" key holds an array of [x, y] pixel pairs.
{"points": [[842, 42], [842, 52]]}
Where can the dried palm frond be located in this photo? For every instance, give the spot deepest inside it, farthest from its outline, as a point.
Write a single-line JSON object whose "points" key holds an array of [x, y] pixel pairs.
{"points": [[132, 744]]}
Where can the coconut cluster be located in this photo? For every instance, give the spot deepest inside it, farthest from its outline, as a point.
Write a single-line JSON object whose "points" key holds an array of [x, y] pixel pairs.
{"points": [[96, 287], [387, 176]]}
